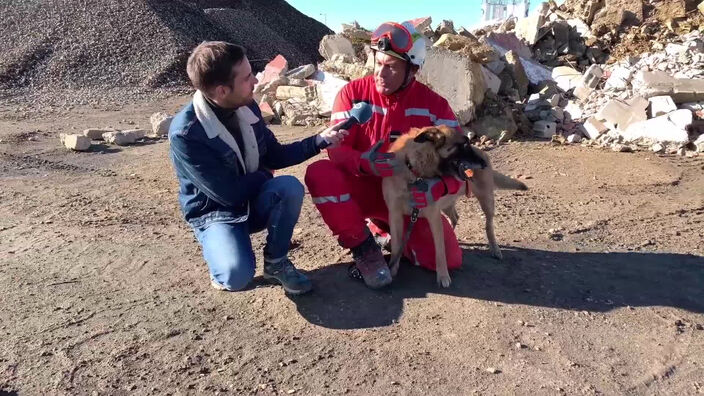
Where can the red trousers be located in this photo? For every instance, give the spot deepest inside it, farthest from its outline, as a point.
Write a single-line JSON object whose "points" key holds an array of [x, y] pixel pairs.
{"points": [[345, 201]]}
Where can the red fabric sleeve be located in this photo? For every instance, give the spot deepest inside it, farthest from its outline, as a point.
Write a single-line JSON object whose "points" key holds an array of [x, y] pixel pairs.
{"points": [[345, 155]]}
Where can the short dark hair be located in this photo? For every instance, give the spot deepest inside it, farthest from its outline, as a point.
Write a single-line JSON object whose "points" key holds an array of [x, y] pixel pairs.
{"points": [[211, 63]]}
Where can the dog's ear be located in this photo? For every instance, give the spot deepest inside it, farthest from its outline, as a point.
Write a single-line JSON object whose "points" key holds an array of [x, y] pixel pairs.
{"points": [[432, 135]]}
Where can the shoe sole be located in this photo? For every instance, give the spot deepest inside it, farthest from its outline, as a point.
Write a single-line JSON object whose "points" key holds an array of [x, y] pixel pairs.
{"points": [[274, 280]]}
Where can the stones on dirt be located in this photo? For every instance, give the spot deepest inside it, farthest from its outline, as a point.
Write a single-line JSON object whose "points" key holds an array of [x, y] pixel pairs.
{"points": [[124, 138], [160, 124], [75, 142], [96, 133]]}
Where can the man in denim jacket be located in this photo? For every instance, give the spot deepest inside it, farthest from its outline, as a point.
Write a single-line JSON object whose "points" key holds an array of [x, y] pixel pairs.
{"points": [[223, 155]]}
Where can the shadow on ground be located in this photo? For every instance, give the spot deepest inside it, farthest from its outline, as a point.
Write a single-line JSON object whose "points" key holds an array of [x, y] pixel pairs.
{"points": [[578, 281]]}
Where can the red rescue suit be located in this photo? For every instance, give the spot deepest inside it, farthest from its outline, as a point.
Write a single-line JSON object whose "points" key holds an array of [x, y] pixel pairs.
{"points": [[345, 197]]}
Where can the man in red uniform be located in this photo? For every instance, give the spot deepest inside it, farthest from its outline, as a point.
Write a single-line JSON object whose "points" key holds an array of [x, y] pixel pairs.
{"points": [[346, 189]]}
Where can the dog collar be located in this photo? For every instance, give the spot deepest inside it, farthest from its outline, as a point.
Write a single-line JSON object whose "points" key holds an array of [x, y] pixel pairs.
{"points": [[413, 171]]}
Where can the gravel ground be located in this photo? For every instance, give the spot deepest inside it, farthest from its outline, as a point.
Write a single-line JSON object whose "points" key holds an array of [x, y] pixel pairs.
{"points": [[91, 52]]}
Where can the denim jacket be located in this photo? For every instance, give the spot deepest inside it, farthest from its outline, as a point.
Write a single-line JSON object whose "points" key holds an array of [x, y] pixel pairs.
{"points": [[213, 186]]}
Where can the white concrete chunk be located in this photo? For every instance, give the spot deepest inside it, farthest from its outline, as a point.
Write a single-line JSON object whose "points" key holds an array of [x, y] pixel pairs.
{"points": [[96, 133], [660, 105], [658, 129], [681, 118], [119, 138], [160, 124], [76, 142], [593, 128], [492, 81]]}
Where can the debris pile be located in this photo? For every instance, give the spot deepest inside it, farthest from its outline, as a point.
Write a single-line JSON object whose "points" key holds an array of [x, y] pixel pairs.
{"points": [[623, 74]]}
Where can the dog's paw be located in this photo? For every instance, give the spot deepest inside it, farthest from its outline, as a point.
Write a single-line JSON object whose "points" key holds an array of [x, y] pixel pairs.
{"points": [[444, 280]]}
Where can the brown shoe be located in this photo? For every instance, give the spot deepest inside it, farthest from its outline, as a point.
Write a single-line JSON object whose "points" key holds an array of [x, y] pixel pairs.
{"points": [[370, 265]]}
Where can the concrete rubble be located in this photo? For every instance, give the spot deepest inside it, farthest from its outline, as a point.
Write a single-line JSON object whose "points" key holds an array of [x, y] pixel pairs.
{"points": [[75, 142], [624, 75], [160, 123]]}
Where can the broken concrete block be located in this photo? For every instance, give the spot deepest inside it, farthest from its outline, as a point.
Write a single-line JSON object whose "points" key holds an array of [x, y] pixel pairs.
{"points": [[619, 79], [638, 103], [555, 100], [301, 72], [593, 128], [492, 81], [660, 105], [160, 124], [285, 92], [659, 129], [592, 76], [529, 27], [620, 114], [688, 90], [96, 133], [574, 110], [544, 129], [518, 73], [574, 138], [119, 138], [136, 133], [471, 47], [673, 49], [566, 77], [657, 148], [75, 142], [582, 92], [681, 118], [326, 92], [297, 82], [267, 112], [270, 86], [503, 42], [335, 44], [700, 7], [421, 23], [496, 66], [699, 143], [655, 83], [456, 78], [558, 114], [273, 70], [446, 26]]}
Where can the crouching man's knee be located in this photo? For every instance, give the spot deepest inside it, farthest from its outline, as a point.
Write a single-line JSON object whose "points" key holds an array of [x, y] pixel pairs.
{"points": [[232, 276]]}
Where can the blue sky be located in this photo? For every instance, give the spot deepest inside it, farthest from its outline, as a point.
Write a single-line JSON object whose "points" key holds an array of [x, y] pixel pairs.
{"points": [[371, 13]]}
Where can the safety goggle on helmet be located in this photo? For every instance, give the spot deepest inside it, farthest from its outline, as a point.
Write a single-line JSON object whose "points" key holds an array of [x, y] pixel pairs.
{"points": [[399, 40]]}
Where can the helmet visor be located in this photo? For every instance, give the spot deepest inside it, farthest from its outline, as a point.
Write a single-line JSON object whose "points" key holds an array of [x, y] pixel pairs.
{"points": [[395, 35]]}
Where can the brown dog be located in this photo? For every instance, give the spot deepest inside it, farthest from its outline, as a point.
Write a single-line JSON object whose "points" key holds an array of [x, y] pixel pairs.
{"points": [[430, 152]]}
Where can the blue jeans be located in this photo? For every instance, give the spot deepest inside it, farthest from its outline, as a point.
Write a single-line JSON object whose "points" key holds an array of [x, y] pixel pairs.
{"points": [[227, 247]]}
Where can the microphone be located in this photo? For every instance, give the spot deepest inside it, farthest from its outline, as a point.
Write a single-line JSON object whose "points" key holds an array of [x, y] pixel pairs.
{"points": [[360, 113]]}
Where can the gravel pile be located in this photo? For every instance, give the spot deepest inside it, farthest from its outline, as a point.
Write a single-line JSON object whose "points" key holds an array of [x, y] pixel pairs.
{"points": [[60, 52]]}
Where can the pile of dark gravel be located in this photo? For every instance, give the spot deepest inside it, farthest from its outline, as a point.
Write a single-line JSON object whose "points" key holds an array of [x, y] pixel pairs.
{"points": [[134, 47]]}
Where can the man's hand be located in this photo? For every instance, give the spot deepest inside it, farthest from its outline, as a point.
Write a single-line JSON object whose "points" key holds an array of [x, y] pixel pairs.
{"points": [[331, 136], [427, 192], [379, 164]]}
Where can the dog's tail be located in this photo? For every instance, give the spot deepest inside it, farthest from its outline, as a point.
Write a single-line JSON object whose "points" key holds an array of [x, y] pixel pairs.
{"points": [[504, 182]]}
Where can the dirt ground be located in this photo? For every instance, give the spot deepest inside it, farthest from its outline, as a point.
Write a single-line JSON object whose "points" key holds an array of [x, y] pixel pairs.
{"points": [[104, 290]]}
